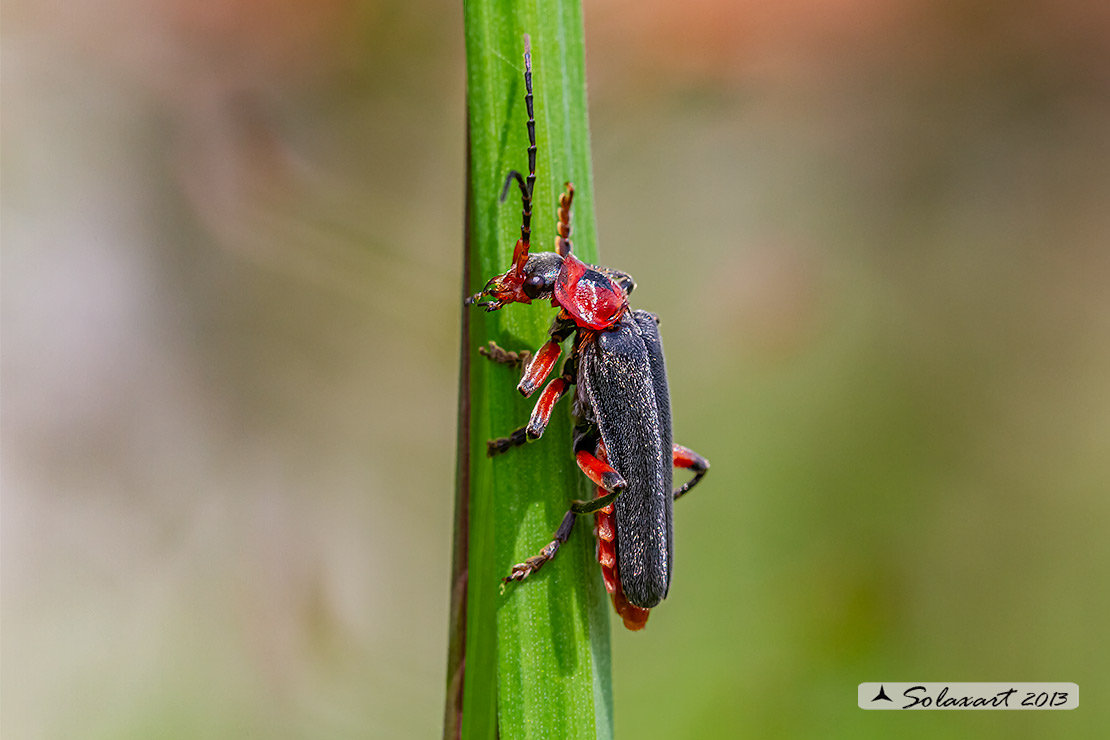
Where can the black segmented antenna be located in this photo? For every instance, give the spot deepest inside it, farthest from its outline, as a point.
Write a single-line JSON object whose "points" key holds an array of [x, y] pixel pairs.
{"points": [[526, 188]]}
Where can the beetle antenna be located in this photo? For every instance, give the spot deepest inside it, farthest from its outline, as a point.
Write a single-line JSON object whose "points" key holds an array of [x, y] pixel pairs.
{"points": [[562, 242], [513, 174], [520, 255], [531, 115]]}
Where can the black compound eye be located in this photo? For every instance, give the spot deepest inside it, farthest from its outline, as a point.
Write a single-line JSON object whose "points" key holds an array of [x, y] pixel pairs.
{"points": [[534, 285]]}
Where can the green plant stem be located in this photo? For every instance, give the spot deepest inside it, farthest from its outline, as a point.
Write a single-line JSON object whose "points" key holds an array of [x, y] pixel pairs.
{"points": [[535, 659]]}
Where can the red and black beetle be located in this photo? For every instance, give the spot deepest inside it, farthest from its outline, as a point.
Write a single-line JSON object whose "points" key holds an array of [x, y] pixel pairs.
{"points": [[622, 436]]}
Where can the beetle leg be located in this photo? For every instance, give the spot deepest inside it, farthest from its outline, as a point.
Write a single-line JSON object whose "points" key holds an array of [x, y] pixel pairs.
{"points": [[503, 356], [521, 571], [541, 414], [596, 470], [504, 444], [539, 367], [595, 505], [602, 474], [687, 458], [537, 370]]}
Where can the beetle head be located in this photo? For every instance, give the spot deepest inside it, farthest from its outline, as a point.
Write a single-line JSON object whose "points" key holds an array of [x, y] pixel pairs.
{"points": [[530, 278]]}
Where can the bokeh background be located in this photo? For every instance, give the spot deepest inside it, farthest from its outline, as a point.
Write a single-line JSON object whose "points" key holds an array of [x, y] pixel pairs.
{"points": [[877, 234]]}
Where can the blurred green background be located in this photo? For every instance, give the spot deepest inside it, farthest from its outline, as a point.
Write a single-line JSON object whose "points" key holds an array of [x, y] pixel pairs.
{"points": [[878, 236]]}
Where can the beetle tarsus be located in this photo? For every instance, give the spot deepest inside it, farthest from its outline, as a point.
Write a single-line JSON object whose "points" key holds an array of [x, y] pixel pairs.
{"points": [[520, 571], [503, 444], [503, 356]]}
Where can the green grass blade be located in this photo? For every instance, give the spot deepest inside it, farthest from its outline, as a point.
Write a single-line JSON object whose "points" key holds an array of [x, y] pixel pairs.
{"points": [[537, 653]]}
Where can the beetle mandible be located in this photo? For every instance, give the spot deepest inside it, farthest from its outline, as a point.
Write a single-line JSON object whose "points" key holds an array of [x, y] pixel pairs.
{"points": [[622, 407]]}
